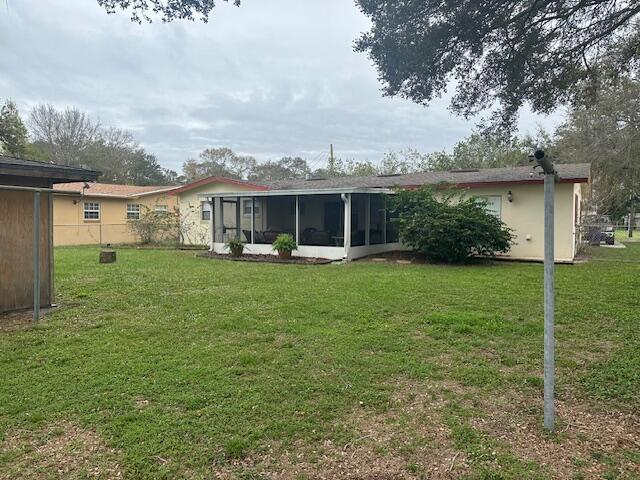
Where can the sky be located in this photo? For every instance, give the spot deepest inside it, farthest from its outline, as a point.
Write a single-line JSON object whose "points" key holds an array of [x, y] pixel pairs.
{"points": [[271, 78]]}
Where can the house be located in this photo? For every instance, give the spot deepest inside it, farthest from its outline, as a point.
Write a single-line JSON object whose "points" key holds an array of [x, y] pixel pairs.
{"points": [[26, 197], [100, 212], [347, 218]]}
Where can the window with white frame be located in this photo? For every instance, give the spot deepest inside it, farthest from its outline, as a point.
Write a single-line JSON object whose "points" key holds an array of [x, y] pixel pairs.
{"points": [[133, 211], [246, 204], [205, 214], [493, 205], [91, 211], [161, 208]]}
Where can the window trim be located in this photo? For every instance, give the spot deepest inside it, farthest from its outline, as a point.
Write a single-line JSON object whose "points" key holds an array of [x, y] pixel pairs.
{"points": [[132, 211], [205, 207], [97, 210], [486, 198], [247, 202]]}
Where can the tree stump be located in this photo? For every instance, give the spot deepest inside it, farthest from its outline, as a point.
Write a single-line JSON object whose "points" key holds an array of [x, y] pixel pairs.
{"points": [[107, 256]]}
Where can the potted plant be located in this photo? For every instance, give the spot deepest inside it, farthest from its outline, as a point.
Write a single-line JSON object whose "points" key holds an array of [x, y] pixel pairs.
{"points": [[235, 246], [285, 244]]}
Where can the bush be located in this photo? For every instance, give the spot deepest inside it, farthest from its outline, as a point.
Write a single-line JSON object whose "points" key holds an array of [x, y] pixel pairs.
{"points": [[156, 227], [235, 246], [285, 243], [448, 226]]}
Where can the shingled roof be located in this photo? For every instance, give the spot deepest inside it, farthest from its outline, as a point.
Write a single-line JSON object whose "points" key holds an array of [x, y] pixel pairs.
{"points": [[567, 173], [113, 190]]}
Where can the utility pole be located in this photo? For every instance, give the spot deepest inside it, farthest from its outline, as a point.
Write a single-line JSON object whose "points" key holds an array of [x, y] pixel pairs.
{"points": [[549, 272]]}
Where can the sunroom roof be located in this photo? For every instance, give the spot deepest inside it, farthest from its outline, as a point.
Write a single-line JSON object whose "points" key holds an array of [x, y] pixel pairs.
{"points": [[316, 191]]}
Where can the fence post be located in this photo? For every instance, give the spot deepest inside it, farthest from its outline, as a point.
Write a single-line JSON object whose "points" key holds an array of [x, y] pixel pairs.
{"points": [[36, 256]]}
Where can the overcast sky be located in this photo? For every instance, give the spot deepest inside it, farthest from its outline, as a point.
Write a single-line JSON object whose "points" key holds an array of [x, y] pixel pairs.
{"points": [[271, 78]]}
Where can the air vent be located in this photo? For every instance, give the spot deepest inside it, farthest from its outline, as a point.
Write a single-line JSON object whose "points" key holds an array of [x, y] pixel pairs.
{"points": [[389, 175], [465, 170]]}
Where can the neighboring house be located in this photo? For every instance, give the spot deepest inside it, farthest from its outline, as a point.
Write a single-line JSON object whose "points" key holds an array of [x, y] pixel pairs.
{"points": [[347, 218], [19, 181], [101, 213]]}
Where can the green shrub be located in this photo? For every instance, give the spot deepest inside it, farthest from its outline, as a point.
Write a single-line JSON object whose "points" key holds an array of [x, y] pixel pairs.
{"points": [[447, 225], [285, 243], [235, 246]]}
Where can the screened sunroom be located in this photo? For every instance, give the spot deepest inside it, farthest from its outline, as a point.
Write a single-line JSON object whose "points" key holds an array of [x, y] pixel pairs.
{"points": [[326, 223]]}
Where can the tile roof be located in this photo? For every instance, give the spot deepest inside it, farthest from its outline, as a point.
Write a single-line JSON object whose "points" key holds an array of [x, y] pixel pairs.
{"points": [[574, 173], [62, 173], [113, 190]]}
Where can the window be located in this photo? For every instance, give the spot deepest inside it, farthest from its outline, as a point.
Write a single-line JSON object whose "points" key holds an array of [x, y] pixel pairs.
{"points": [[161, 209], [493, 205], [133, 211], [205, 214], [91, 211], [246, 207]]}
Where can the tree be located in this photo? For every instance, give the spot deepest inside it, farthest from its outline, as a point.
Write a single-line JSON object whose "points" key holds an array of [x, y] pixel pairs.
{"points": [[606, 132], [222, 162], [447, 225], [71, 137], [499, 54], [64, 136], [168, 10], [13, 133], [284, 169]]}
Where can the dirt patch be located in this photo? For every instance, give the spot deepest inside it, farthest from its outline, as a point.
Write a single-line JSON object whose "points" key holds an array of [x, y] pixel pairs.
{"points": [[252, 257], [58, 451], [13, 321], [408, 441], [413, 440], [587, 442]]}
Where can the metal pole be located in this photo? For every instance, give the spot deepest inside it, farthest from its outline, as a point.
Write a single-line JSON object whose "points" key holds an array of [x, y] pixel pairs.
{"points": [[36, 256], [549, 267], [298, 219], [212, 223], [253, 220]]}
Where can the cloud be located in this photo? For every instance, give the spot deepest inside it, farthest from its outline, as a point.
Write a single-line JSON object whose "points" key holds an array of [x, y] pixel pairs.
{"points": [[271, 78]]}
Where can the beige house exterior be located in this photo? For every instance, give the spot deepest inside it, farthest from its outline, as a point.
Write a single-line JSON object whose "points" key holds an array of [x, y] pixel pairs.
{"points": [[100, 213], [346, 218]]}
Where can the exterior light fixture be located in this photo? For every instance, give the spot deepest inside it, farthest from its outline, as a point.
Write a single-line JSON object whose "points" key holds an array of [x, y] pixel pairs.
{"points": [[510, 196]]}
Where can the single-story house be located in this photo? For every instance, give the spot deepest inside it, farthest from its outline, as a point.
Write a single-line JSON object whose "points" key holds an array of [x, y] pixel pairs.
{"points": [[347, 217], [26, 194], [100, 213]]}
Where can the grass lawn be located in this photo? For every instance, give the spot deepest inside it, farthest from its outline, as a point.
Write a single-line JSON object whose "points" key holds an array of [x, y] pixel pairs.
{"points": [[164, 365]]}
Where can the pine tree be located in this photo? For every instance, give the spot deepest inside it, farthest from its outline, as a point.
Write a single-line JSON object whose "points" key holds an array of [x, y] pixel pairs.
{"points": [[13, 133]]}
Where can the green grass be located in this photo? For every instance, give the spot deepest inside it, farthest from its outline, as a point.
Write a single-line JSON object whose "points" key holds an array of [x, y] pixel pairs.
{"points": [[231, 357]]}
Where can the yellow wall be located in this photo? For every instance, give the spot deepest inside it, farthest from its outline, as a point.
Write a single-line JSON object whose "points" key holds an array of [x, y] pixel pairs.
{"points": [[194, 230], [525, 215], [70, 227]]}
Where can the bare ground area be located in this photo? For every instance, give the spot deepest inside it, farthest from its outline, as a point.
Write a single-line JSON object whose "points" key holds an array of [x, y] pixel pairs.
{"points": [[63, 451], [418, 438]]}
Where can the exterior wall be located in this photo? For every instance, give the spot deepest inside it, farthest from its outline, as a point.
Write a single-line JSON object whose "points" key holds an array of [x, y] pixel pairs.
{"points": [[525, 215], [16, 250], [194, 230], [70, 227]]}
